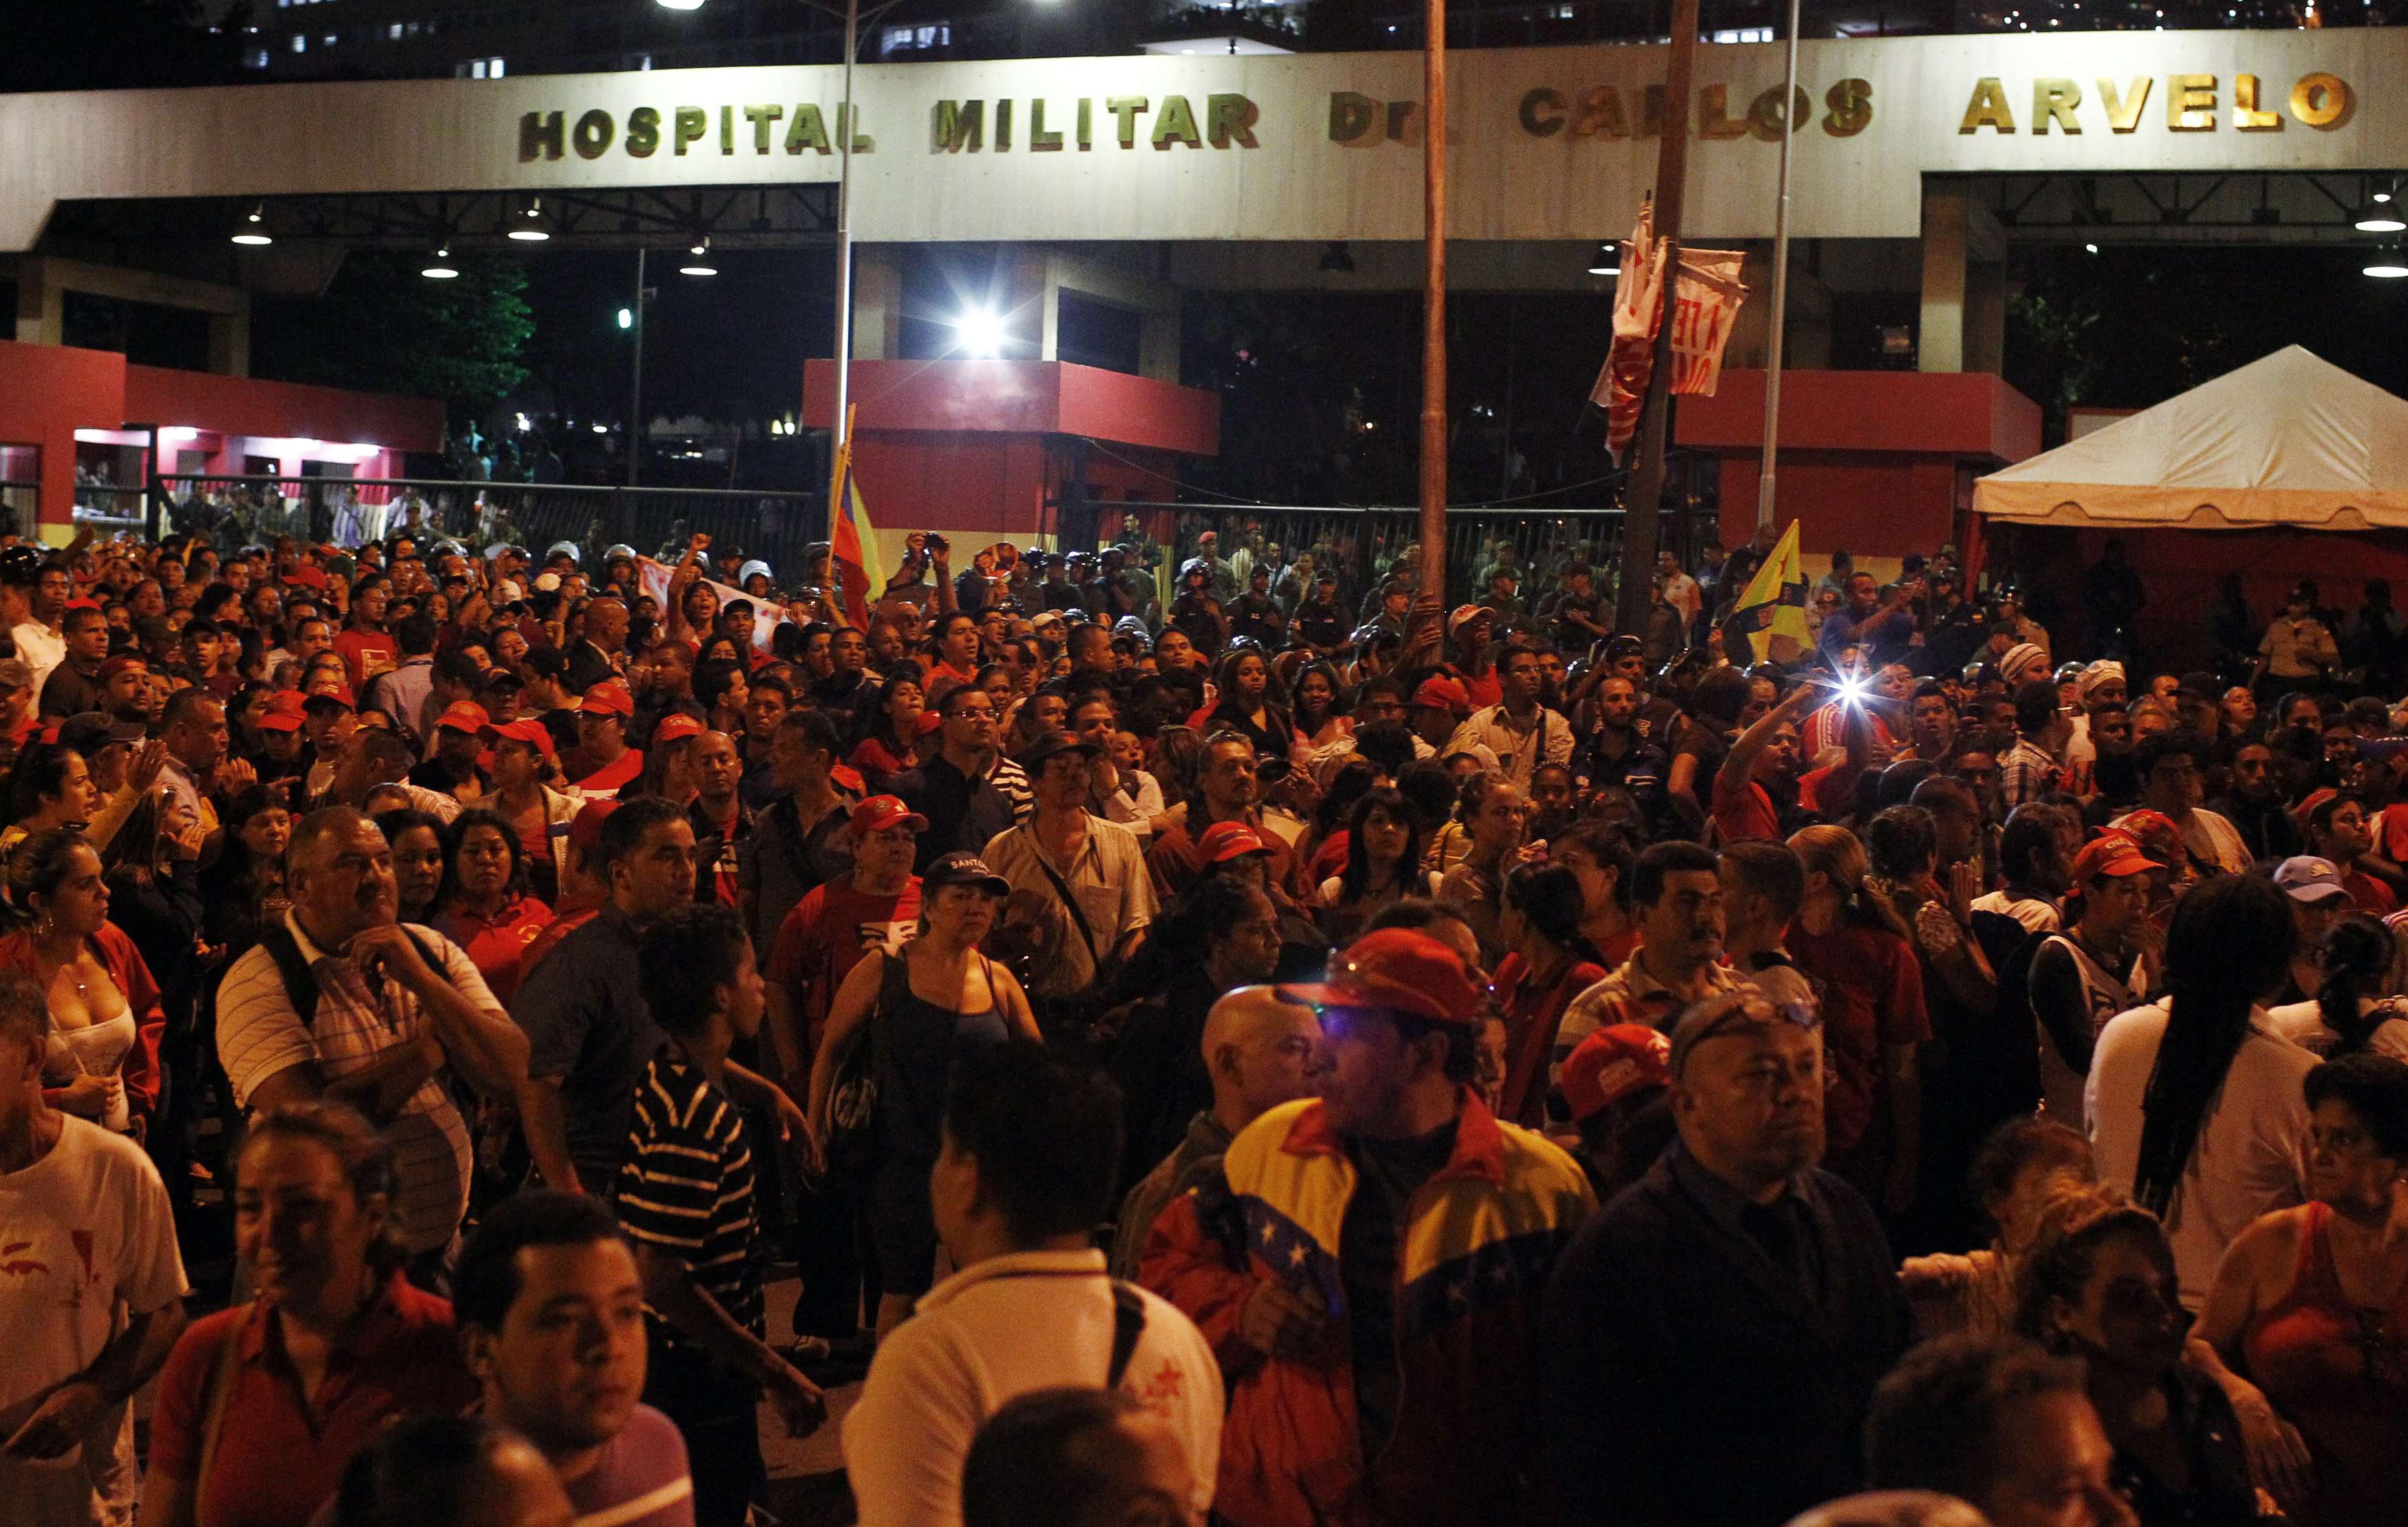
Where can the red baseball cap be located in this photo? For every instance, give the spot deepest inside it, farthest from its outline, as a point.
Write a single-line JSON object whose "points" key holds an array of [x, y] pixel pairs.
{"points": [[608, 698], [465, 716], [1618, 1061], [1441, 692], [122, 663], [880, 812], [1225, 840], [1400, 970], [533, 733], [2112, 852], [676, 727], [283, 712], [585, 828]]}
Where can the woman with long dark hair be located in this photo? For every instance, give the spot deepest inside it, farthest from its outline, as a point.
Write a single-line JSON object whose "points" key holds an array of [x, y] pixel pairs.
{"points": [[2355, 1010], [1320, 714], [2194, 1103], [1548, 962], [1249, 705], [106, 1021], [1383, 865], [890, 732]]}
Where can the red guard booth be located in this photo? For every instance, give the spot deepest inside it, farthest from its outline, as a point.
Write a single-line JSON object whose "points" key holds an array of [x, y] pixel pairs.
{"points": [[61, 407], [1877, 464], [1000, 450]]}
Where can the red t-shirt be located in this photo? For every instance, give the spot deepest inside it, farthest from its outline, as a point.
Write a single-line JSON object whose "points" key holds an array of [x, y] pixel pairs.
{"points": [[496, 943], [1741, 816], [1871, 994], [275, 1463], [367, 653], [2368, 894], [827, 934]]}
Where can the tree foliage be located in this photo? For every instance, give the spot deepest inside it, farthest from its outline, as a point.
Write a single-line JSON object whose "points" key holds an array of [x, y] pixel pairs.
{"points": [[381, 326]]}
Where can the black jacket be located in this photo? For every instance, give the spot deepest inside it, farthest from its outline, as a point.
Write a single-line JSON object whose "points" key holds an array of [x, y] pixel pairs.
{"points": [[1691, 1380]]}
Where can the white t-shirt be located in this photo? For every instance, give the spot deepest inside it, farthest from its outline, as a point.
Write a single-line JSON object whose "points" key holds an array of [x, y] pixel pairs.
{"points": [[42, 648], [87, 1239], [998, 1330], [2246, 1162], [2303, 1024], [2037, 915]]}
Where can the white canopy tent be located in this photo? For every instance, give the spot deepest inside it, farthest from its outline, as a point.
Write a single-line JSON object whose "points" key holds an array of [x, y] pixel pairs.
{"points": [[2286, 441]]}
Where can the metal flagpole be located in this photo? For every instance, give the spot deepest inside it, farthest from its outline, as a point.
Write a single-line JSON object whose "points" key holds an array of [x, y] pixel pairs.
{"points": [[1780, 287], [1433, 464], [841, 425]]}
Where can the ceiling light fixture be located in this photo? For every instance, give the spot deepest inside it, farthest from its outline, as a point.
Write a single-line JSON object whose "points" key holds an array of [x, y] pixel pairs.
{"points": [[528, 228], [699, 261], [1607, 260], [440, 268], [252, 229]]}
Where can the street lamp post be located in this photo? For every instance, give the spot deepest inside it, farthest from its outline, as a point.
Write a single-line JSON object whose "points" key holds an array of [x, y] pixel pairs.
{"points": [[635, 387], [1433, 463], [841, 423]]}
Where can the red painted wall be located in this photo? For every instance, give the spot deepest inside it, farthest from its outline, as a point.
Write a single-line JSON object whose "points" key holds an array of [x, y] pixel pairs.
{"points": [[1960, 413], [247, 406], [48, 392], [1034, 397]]}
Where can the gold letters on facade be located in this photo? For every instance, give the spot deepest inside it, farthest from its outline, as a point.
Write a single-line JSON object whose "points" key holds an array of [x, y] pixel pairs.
{"points": [[2319, 100]]}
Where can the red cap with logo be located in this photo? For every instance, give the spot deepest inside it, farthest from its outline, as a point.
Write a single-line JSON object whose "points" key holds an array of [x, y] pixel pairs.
{"points": [[1618, 1061], [880, 812], [1441, 692], [608, 698], [1400, 970], [1225, 840], [2113, 852], [533, 733], [676, 727], [465, 716], [283, 712]]}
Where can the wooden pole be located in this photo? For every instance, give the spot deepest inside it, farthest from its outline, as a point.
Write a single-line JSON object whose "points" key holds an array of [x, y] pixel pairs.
{"points": [[1645, 494], [1433, 464]]}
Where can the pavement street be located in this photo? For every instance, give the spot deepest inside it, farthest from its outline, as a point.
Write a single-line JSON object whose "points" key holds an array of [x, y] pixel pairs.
{"points": [[806, 1486]]}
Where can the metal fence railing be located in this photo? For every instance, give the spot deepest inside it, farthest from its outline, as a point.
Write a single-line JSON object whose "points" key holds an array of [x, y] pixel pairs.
{"points": [[238, 510], [1363, 544]]}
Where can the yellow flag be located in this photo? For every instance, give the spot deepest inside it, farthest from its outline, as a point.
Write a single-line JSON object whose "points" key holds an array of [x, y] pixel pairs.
{"points": [[1773, 613]]}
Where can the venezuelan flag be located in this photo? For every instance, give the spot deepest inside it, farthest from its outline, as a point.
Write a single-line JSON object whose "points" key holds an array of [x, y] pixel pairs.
{"points": [[852, 541], [1772, 612]]}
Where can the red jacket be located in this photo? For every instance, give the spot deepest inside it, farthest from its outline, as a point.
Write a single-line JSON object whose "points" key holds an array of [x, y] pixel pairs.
{"points": [[1475, 1248], [124, 963]]}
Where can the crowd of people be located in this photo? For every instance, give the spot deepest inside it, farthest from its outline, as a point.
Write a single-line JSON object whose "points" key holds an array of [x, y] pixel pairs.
{"points": [[1278, 1053]]}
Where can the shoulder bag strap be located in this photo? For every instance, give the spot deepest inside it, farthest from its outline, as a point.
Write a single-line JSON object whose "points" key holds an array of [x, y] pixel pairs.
{"points": [[1129, 1324], [1078, 914]]}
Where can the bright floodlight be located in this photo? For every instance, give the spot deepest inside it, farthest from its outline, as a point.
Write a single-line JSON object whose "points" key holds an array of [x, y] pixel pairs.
{"points": [[699, 261], [1853, 690], [626, 318], [679, 5], [978, 332], [441, 268], [1607, 260], [2380, 221], [2386, 266], [252, 229]]}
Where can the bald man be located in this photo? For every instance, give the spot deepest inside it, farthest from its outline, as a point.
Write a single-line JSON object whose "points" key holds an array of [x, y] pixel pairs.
{"points": [[1258, 1051]]}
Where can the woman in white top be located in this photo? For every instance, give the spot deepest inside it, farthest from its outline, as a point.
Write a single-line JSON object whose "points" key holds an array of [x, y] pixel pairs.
{"points": [[2194, 1104], [2354, 1008]]}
